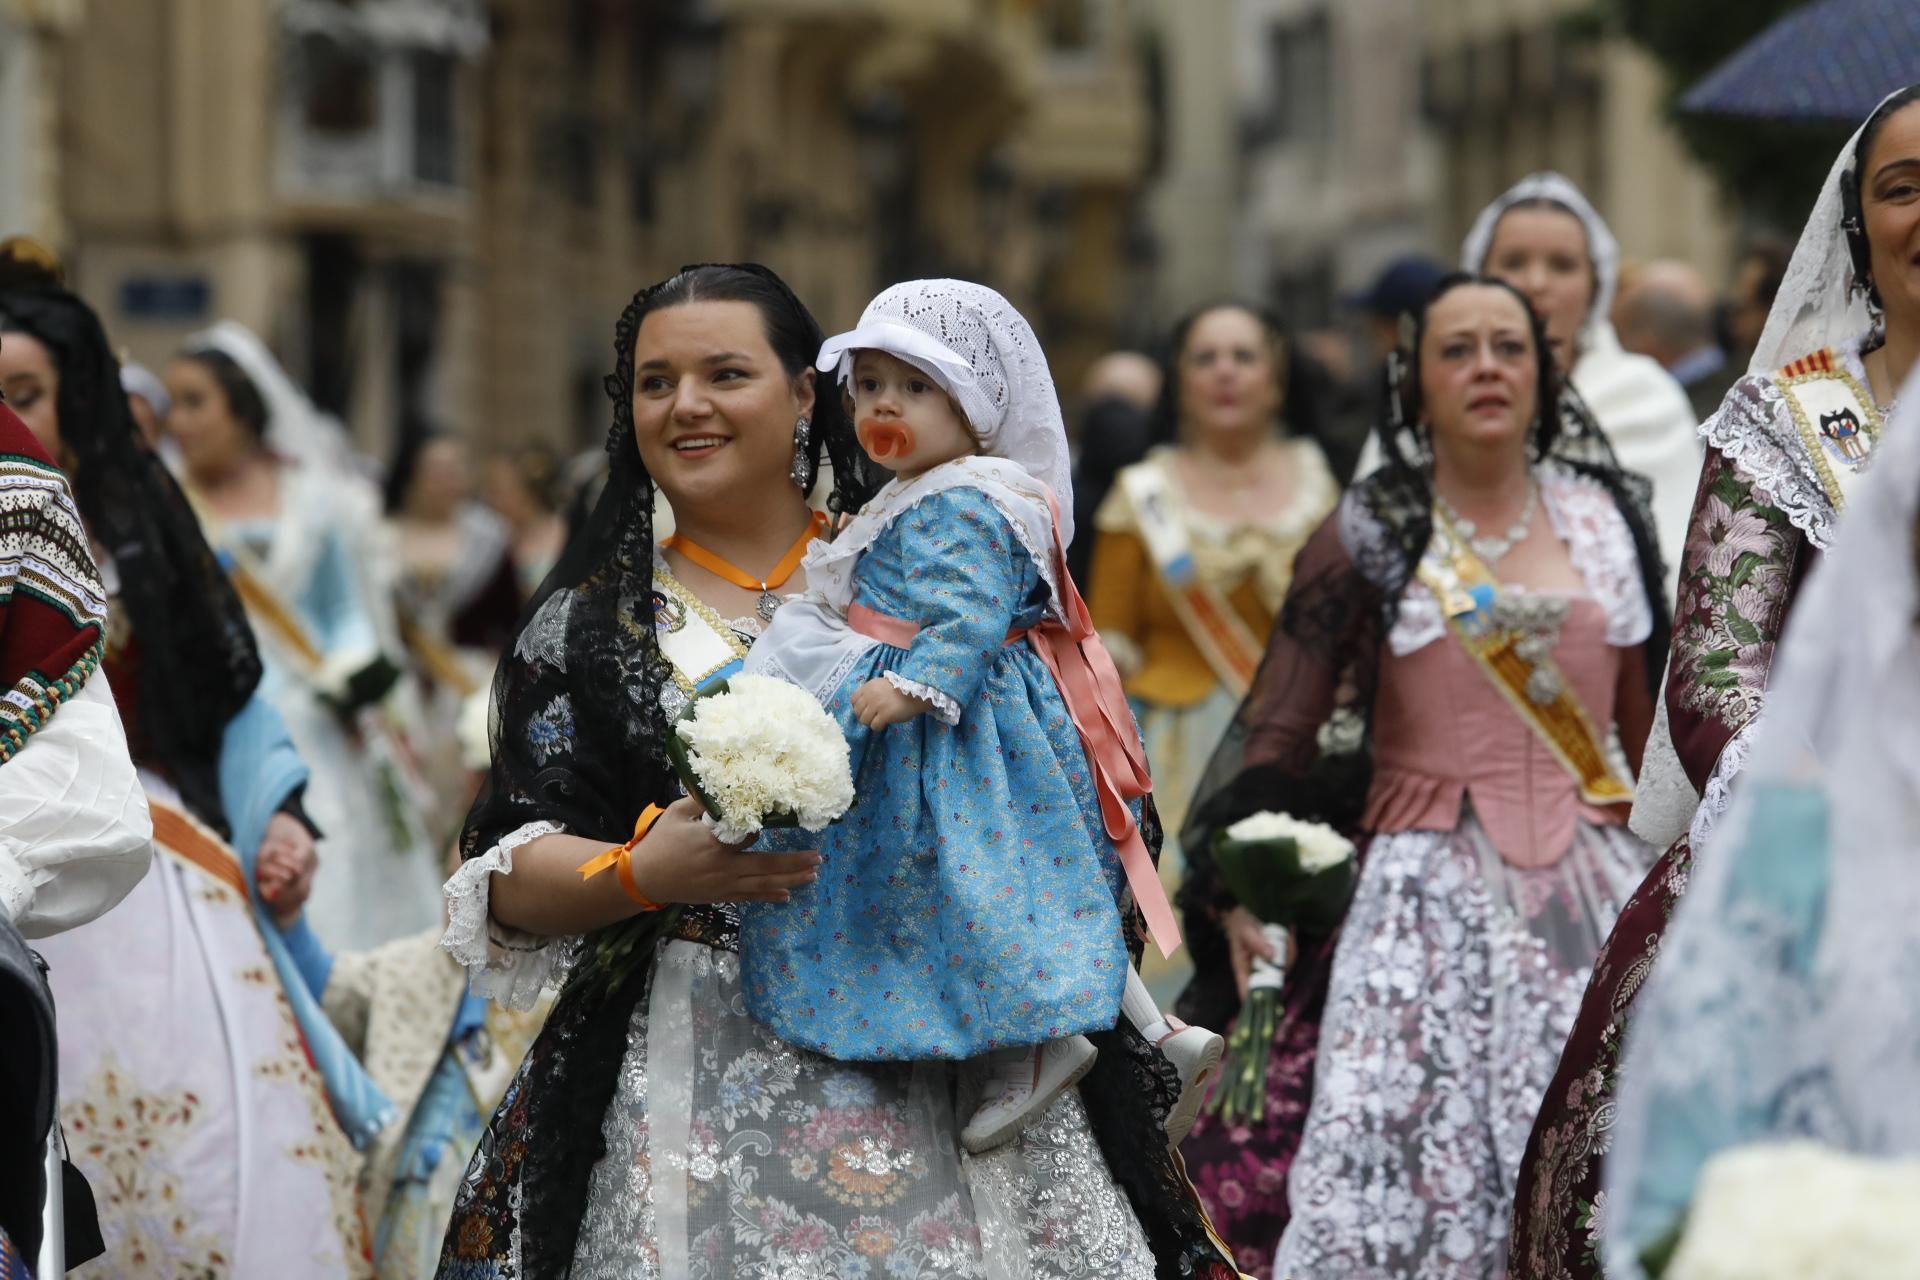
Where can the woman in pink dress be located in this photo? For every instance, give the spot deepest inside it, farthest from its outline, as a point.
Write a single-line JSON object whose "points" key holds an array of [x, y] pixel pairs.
{"points": [[1466, 640]]}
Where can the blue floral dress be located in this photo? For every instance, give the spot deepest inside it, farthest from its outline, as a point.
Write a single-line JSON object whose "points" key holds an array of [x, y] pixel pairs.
{"points": [[969, 899]]}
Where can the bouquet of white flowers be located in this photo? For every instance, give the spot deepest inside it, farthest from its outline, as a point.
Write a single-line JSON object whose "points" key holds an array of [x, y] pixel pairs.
{"points": [[1292, 875], [1799, 1211], [759, 752]]}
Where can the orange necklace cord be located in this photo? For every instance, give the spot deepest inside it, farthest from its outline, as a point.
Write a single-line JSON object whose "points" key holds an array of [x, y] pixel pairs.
{"points": [[727, 570]]}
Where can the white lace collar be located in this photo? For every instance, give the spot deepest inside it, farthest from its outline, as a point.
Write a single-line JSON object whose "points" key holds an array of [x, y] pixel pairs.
{"points": [[1754, 429], [1599, 544]]}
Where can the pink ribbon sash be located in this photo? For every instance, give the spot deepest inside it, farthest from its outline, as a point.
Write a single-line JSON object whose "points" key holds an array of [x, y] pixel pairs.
{"points": [[1090, 686]]}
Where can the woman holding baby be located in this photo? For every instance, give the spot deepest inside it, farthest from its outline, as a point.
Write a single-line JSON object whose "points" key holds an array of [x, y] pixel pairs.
{"points": [[656, 1128]]}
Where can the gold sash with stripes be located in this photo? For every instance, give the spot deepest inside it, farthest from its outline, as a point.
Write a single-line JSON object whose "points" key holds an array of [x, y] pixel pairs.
{"points": [[1216, 627]]}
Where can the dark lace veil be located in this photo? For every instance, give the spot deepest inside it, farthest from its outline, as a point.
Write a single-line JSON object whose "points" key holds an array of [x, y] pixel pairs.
{"points": [[197, 649], [1301, 742]]}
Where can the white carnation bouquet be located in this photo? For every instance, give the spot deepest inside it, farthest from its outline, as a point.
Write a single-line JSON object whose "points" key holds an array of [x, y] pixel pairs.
{"points": [[759, 752], [1293, 875], [1799, 1211]]}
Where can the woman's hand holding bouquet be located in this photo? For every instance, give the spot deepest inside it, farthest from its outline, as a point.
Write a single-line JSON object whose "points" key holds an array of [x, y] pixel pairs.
{"points": [[1289, 876]]}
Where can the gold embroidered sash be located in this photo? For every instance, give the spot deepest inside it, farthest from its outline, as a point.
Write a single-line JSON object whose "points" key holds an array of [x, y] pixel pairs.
{"points": [[1216, 627], [1465, 588], [1835, 417], [178, 834]]}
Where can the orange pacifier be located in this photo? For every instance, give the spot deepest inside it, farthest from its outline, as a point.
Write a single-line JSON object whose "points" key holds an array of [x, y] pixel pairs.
{"points": [[884, 439]]}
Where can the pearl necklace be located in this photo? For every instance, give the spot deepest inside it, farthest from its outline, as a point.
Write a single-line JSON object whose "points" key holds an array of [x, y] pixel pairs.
{"points": [[1492, 548]]}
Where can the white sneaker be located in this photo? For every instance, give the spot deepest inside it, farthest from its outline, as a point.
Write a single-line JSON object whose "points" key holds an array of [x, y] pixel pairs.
{"points": [[1195, 1053], [1024, 1083]]}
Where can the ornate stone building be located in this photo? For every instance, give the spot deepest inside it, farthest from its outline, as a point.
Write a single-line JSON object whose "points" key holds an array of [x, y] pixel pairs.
{"points": [[435, 209]]}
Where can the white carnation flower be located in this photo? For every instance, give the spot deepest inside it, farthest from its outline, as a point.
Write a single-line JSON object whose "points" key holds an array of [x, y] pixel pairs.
{"points": [[1801, 1211], [1319, 844], [765, 748]]}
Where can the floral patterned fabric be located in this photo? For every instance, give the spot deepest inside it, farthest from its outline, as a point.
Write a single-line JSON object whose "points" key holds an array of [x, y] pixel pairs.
{"points": [[969, 899], [187, 1095], [779, 1163], [1744, 560], [732, 1154], [1455, 981], [1416, 1045]]}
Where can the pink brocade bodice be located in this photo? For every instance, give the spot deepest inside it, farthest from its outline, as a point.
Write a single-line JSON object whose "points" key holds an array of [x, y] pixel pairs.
{"points": [[1443, 734]]}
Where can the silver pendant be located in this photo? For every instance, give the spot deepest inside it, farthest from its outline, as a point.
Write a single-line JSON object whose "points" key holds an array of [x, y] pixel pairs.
{"points": [[768, 603]]}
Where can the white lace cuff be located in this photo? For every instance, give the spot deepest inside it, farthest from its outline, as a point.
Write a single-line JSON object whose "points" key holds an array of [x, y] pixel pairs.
{"points": [[1664, 801], [505, 965], [1717, 796], [944, 707]]}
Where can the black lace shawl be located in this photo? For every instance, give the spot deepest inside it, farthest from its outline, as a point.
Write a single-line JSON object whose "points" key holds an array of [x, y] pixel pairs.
{"points": [[197, 647], [1301, 742]]}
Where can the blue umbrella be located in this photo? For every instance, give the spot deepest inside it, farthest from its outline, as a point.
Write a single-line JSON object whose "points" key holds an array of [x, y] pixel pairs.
{"points": [[1828, 60]]}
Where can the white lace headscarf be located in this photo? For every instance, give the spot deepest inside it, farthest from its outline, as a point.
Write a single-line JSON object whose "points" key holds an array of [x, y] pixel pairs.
{"points": [[296, 428], [1602, 249], [984, 354], [1783, 1003], [1817, 305]]}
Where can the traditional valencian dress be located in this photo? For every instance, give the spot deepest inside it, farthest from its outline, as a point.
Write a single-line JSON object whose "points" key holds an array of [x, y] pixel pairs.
{"points": [[441, 1054], [202, 1094], [1770, 499], [318, 597], [987, 912], [1460, 730], [1779, 1009], [1186, 600], [305, 598], [1771, 496], [656, 1129], [732, 1152]]}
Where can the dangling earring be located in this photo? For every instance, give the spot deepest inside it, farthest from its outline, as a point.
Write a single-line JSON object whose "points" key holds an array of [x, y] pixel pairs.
{"points": [[802, 470]]}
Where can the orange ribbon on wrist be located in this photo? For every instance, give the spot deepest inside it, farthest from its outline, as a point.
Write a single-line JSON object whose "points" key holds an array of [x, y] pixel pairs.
{"points": [[620, 858]]}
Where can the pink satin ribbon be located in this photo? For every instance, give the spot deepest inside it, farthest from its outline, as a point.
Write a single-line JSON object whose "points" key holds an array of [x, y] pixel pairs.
{"points": [[1097, 702]]}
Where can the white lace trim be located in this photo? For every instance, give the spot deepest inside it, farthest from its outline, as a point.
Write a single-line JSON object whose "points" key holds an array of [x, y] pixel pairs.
{"points": [[505, 965], [944, 707], [1754, 429], [1600, 546], [1664, 801], [1745, 429], [1717, 797], [830, 565]]}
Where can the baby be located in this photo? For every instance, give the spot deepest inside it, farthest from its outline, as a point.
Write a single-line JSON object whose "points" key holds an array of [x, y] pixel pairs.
{"points": [[970, 901]]}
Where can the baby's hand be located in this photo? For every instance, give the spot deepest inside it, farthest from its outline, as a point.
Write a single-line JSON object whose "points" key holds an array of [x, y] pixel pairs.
{"points": [[877, 704], [284, 869]]}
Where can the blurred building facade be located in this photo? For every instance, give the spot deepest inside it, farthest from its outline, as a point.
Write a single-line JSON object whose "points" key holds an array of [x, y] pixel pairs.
{"points": [[1373, 127], [434, 210], [32, 33]]}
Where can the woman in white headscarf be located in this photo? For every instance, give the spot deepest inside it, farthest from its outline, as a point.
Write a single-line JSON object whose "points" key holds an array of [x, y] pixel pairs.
{"points": [[1545, 238], [1783, 452], [1785, 1008]]}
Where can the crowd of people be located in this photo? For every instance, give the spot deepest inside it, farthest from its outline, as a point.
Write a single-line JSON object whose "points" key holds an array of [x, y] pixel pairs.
{"points": [[380, 939]]}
